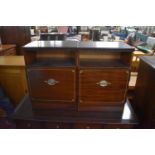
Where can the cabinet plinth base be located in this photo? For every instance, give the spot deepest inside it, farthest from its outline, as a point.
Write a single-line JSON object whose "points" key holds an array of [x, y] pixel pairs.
{"points": [[113, 108], [47, 105], [46, 108]]}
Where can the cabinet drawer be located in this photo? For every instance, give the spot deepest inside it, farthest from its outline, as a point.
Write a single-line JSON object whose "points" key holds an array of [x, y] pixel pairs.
{"points": [[52, 84], [106, 86]]}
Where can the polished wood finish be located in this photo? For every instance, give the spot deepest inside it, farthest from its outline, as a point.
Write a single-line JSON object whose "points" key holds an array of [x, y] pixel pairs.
{"points": [[144, 100], [30, 57], [18, 35], [62, 90], [13, 78], [126, 59], [56, 54], [112, 94], [7, 49], [90, 62], [16, 61], [103, 59], [26, 118]]}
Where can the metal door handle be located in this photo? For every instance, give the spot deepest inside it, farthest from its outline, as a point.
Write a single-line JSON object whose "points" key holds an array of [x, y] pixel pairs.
{"points": [[103, 83], [51, 82]]}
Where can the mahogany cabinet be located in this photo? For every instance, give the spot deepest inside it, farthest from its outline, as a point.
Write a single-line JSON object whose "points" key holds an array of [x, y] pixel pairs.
{"points": [[83, 76], [144, 100]]}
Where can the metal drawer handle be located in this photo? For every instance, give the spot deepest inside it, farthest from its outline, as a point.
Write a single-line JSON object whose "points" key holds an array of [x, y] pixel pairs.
{"points": [[103, 83], [51, 82]]}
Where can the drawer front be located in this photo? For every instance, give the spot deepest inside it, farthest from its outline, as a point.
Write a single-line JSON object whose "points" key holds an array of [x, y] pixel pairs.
{"points": [[103, 86], [52, 84]]}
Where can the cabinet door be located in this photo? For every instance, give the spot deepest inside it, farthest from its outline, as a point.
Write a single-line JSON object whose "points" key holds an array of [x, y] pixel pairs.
{"points": [[103, 87], [52, 84]]}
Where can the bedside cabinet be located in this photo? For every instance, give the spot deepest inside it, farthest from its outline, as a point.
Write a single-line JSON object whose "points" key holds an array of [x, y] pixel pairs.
{"points": [[80, 76]]}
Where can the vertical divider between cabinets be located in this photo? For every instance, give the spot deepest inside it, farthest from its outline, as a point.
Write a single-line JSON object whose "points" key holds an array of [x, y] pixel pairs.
{"points": [[77, 61]]}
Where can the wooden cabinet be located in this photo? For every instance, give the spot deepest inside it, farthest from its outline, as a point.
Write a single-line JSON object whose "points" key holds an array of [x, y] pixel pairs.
{"points": [[18, 35], [144, 100], [13, 78], [90, 76], [7, 49]]}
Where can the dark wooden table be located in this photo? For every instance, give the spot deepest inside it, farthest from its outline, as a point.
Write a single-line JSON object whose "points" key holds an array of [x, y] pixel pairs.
{"points": [[25, 117]]}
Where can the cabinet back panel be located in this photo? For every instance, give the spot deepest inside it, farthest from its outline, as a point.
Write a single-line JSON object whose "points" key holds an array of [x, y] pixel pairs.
{"points": [[55, 55], [93, 55]]}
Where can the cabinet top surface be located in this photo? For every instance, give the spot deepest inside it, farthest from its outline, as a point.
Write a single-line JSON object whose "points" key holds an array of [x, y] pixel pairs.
{"points": [[79, 45], [150, 60], [12, 61]]}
